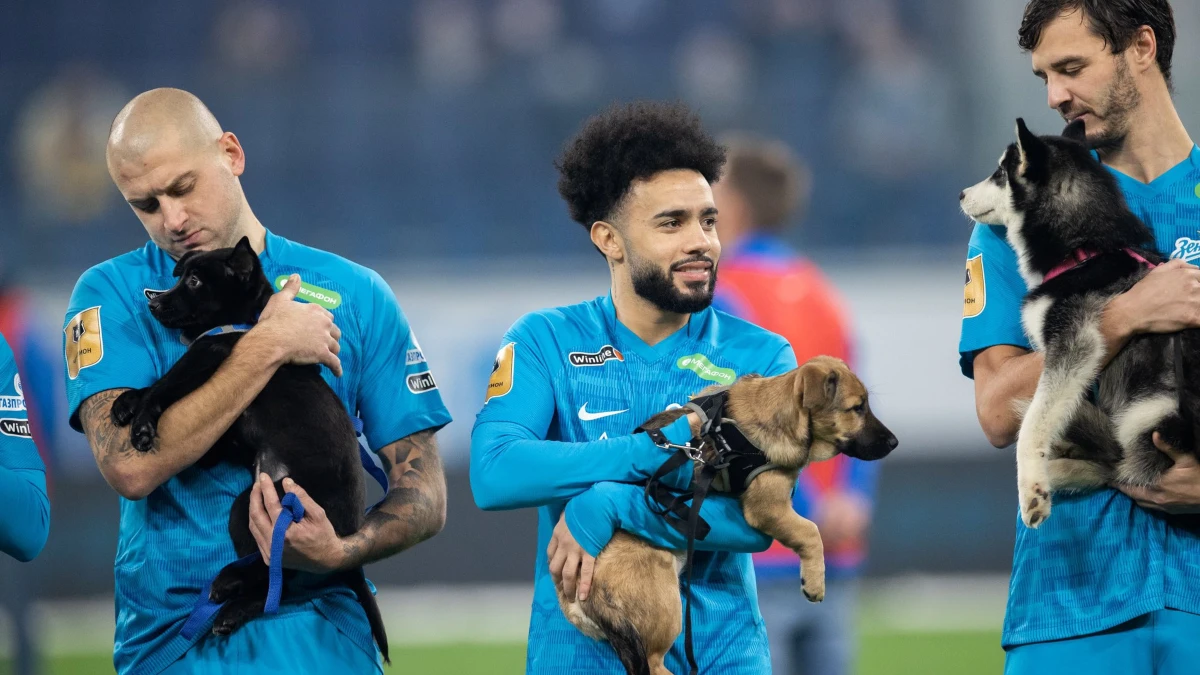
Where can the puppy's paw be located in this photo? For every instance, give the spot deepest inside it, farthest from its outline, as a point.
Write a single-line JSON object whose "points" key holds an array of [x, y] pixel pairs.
{"points": [[813, 585], [236, 614], [226, 586], [1033, 481], [227, 623], [126, 406], [1035, 503], [141, 436]]}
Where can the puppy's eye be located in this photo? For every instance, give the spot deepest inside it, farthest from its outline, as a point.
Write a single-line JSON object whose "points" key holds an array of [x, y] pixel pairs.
{"points": [[859, 409], [193, 282]]}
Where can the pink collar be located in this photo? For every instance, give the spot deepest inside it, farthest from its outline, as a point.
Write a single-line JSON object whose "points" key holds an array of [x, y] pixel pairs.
{"points": [[1080, 256]]}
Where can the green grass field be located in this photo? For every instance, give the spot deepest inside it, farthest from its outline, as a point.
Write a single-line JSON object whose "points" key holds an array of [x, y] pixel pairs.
{"points": [[959, 653]]}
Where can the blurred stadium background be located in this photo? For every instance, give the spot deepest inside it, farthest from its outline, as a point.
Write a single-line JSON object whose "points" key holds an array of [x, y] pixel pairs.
{"points": [[417, 137]]}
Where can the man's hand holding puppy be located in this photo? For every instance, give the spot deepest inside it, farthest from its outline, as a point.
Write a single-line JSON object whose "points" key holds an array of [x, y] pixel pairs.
{"points": [[571, 565]]}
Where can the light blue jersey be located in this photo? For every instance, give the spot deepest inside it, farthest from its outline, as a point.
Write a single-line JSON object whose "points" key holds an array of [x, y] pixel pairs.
{"points": [[24, 507], [569, 386], [173, 542], [1100, 560]]}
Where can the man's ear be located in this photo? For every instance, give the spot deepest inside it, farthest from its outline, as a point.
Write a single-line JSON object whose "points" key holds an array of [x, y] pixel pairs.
{"points": [[608, 240]]}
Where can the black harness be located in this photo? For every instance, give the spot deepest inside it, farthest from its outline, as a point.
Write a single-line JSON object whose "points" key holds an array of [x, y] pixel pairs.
{"points": [[737, 461]]}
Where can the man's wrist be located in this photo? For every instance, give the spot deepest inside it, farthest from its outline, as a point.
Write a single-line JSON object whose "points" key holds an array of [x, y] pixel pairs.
{"points": [[266, 349], [1117, 322]]}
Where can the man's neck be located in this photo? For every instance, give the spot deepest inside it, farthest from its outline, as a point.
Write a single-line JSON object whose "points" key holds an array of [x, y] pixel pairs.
{"points": [[639, 315], [1157, 141]]}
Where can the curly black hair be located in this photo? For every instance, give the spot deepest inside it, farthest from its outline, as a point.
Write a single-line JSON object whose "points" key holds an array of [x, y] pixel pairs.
{"points": [[629, 142]]}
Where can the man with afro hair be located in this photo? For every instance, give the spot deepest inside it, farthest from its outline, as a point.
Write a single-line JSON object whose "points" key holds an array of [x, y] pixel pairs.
{"points": [[570, 384]]}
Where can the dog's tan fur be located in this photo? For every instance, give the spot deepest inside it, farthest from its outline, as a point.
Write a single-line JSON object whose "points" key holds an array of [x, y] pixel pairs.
{"points": [[636, 585]]}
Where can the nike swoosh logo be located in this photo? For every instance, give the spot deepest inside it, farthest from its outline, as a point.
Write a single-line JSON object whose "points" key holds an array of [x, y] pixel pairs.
{"points": [[589, 416]]}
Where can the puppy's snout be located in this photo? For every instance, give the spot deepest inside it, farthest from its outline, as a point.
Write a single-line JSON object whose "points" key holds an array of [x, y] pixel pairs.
{"points": [[962, 194]]}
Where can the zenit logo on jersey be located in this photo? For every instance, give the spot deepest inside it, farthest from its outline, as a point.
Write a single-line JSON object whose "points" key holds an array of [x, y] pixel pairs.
{"points": [[13, 427], [974, 292], [84, 346], [419, 383], [151, 293], [606, 353], [1186, 249]]}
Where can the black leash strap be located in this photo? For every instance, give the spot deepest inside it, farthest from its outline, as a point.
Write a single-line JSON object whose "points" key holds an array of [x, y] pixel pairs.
{"points": [[1185, 412]]}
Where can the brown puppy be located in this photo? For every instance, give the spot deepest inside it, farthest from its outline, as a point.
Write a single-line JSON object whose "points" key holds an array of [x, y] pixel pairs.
{"points": [[805, 415]]}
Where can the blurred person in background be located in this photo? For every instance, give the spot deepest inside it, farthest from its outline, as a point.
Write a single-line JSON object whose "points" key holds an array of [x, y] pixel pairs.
{"points": [[1107, 584], [24, 486], [763, 280], [180, 174]]}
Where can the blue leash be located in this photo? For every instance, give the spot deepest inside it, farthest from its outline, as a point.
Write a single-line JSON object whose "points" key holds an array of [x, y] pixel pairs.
{"points": [[292, 512]]}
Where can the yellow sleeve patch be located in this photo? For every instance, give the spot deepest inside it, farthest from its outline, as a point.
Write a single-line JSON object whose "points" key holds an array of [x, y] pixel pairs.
{"points": [[84, 345], [501, 381], [975, 292]]}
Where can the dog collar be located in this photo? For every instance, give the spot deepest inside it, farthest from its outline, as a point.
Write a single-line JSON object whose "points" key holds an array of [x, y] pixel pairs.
{"points": [[1082, 255], [221, 330]]}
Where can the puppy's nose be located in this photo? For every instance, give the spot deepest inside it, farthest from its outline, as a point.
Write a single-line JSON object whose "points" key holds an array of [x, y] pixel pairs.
{"points": [[962, 195], [892, 442]]}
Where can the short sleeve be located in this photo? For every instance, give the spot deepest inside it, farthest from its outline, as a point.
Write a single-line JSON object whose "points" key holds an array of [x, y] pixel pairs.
{"points": [[520, 389], [992, 297], [398, 395], [783, 361], [103, 346]]}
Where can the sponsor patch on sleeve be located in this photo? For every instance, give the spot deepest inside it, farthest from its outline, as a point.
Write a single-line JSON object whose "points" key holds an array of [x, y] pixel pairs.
{"points": [[420, 383], [15, 427], [84, 344], [414, 355], [501, 381], [975, 292]]}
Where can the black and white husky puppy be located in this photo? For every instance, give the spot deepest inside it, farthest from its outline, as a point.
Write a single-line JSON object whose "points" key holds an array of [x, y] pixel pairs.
{"points": [[1078, 245]]}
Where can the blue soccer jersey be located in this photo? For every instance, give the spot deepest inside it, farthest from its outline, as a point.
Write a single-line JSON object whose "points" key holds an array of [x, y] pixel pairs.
{"points": [[568, 388], [1100, 559], [173, 542], [25, 516]]}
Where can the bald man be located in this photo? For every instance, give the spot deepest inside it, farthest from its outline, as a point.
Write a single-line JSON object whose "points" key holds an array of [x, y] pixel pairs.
{"points": [[179, 171]]}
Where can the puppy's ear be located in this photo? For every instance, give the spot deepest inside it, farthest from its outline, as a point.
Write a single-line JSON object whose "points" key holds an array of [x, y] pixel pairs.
{"points": [[817, 385], [243, 260], [179, 265], [1075, 131], [1031, 148]]}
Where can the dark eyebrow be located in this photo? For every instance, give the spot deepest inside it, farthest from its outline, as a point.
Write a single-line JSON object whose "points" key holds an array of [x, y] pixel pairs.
{"points": [[682, 213], [174, 186]]}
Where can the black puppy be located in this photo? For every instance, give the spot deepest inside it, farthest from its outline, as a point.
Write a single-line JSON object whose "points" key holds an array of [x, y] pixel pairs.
{"points": [[296, 426]]}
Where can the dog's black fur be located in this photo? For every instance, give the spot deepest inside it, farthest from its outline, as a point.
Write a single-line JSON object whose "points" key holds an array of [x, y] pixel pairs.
{"points": [[1061, 199], [295, 427]]}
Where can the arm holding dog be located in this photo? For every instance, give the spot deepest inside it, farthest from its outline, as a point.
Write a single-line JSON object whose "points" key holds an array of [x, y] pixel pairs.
{"points": [[1165, 301], [594, 517], [513, 465], [287, 333]]}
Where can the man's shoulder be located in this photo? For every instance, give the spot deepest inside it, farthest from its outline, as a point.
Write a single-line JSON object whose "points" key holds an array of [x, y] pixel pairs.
{"points": [[727, 332], [324, 263], [581, 318], [126, 271]]}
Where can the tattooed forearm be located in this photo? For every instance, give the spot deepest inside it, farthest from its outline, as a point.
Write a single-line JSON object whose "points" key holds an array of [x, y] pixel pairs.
{"points": [[109, 443], [415, 507]]}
